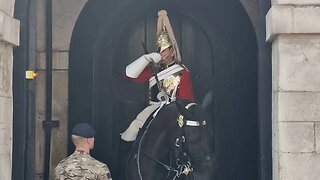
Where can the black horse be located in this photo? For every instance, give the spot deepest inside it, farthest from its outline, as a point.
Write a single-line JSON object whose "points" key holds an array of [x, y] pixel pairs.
{"points": [[176, 144]]}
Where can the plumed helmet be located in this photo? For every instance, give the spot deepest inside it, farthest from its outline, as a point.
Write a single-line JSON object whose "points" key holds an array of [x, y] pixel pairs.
{"points": [[165, 36], [163, 39]]}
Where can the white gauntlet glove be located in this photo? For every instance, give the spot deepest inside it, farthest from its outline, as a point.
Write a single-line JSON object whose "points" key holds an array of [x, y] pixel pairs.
{"points": [[155, 57], [134, 69]]}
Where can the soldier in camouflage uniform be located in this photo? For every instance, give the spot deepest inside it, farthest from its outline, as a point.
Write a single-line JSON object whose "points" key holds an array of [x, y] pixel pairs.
{"points": [[80, 165]]}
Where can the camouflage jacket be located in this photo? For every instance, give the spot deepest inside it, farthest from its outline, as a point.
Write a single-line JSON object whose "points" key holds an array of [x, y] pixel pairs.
{"points": [[81, 166]]}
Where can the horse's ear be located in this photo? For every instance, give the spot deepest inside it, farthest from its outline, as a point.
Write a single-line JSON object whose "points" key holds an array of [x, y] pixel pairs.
{"points": [[181, 107], [183, 103]]}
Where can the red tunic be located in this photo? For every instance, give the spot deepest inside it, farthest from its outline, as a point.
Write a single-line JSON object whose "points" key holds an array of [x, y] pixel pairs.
{"points": [[185, 90]]}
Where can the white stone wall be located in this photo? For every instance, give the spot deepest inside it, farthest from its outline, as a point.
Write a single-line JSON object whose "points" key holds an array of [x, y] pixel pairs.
{"points": [[5, 111], [9, 37], [293, 28], [65, 14]]}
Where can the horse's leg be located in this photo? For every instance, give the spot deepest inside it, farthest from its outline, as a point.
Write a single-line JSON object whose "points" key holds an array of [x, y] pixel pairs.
{"points": [[131, 167]]}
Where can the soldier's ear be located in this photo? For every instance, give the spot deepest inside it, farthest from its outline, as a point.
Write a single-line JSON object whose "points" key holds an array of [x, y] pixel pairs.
{"points": [[89, 140]]}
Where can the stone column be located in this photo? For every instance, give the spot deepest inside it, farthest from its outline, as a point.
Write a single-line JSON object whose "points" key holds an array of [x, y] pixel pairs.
{"points": [[293, 28], [9, 37]]}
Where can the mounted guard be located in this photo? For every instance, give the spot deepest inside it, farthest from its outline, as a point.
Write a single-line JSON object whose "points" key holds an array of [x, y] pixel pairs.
{"points": [[168, 78]]}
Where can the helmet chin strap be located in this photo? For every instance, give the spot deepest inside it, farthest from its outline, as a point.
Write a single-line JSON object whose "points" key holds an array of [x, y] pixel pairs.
{"points": [[172, 62]]}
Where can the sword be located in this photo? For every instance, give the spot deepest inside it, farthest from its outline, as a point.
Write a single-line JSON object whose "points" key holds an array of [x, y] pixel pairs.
{"points": [[153, 68]]}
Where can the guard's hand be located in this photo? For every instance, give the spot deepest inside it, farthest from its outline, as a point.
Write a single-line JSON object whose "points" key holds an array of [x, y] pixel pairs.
{"points": [[153, 57]]}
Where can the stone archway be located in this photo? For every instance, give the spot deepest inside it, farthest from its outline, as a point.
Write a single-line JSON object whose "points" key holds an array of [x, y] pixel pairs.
{"points": [[94, 63]]}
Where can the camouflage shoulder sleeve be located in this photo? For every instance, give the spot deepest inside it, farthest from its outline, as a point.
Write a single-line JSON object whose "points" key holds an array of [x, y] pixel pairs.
{"points": [[56, 173], [58, 170], [104, 173]]}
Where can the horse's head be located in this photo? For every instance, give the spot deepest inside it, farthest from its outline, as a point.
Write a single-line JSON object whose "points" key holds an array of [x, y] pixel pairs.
{"points": [[197, 130]]}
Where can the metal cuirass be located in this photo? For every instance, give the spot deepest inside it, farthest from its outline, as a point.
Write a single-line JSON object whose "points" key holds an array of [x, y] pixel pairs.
{"points": [[169, 83]]}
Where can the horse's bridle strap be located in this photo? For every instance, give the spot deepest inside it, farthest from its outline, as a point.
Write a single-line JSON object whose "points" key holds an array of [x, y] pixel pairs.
{"points": [[203, 158], [189, 105], [195, 123]]}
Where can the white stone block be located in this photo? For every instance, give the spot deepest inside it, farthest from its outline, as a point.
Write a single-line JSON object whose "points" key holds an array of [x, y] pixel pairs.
{"points": [[317, 134], [2, 109], [306, 19], [299, 166], [275, 122], [60, 94], [41, 61], [278, 20], [5, 167], [5, 137], [275, 66], [41, 94], [296, 2], [7, 6], [275, 165], [6, 125], [299, 106], [296, 137], [41, 25], [297, 61], [1, 25], [65, 14], [9, 29], [6, 61], [275, 137], [60, 60]]}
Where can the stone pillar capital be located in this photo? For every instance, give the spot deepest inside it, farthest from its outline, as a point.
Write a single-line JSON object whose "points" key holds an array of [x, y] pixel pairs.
{"points": [[289, 19], [9, 29]]}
